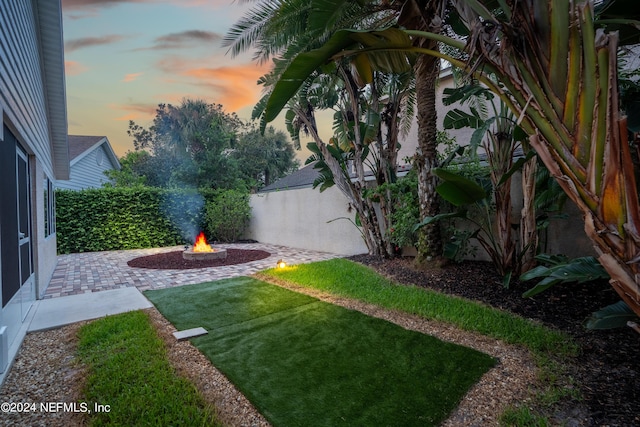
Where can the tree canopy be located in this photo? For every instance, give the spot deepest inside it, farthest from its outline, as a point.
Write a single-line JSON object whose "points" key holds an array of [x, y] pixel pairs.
{"points": [[197, 144]]}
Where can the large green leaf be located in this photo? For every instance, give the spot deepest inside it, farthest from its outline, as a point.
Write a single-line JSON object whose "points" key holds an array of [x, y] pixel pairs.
{"points": [[478, 135], [578, 270], [300, 69], [613, 316], [390, 51], [457, 119], [463, 93], [458, 190]]}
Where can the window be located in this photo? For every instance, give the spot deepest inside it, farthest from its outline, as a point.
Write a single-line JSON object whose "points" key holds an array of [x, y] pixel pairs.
{"points": [[49, 208]]}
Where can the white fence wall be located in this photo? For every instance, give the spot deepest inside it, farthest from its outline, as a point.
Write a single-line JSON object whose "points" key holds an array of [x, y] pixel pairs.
{"points": [[300, 219]]}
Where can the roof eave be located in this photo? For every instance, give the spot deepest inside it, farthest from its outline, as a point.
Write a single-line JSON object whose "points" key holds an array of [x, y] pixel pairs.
{"points": [[51, 44], [104, 141]]}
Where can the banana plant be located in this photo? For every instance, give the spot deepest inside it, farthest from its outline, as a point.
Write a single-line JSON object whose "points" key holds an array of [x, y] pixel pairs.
{"points": [[557, 71], [500, 136], [560, 74]]}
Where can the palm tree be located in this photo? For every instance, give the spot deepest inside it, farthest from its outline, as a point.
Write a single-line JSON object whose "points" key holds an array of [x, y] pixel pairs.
{"points": [[559, 76], [277, 28], [358, 118]]}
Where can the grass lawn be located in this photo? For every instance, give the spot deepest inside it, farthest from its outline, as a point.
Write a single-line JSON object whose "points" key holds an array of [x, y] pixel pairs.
{"points": [[129, 372], [345, 278], [305, 362]]}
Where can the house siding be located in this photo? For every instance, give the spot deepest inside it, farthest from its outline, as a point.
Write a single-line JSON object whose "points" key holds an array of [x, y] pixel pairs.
{"points": [[22, 91], [87, 173], [33, 131]]}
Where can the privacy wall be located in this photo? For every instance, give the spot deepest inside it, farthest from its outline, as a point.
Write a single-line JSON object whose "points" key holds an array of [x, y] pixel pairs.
{"points": [[307, 219]]}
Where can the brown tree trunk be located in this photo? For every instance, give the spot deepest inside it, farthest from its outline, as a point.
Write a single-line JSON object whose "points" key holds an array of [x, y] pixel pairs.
{"points": [[503, 222], [430, 237], [528, 232]]}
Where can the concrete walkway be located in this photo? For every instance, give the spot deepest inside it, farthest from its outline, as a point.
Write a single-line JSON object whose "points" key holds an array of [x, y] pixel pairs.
{"points": [[95, 284]]}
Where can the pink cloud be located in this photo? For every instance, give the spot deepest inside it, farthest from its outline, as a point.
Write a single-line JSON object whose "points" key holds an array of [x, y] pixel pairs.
{"points": [[135, 111], [73, 68], [236, 87], [185, 39], [127, 117], [131, 77]]}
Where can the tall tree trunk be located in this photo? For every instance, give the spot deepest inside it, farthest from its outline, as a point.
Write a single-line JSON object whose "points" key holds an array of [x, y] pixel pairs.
{"points": [[500, 160], [352, 190], [430, 238], [528, 231]]}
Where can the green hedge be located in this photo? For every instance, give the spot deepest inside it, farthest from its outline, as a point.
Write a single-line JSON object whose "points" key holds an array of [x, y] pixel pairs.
{"points": [[130, 218]]}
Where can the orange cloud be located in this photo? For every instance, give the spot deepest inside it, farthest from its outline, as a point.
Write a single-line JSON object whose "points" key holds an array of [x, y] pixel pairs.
{"points": [[127, 117], [136, 111], [73, 68], [235, 87], [131, 77]]}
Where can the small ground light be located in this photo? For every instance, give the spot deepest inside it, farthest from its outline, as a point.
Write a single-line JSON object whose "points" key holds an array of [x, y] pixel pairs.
{"points": [[281, 264]]}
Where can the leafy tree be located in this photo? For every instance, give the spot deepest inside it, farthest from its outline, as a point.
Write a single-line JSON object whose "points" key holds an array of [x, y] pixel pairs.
{"points": [[190, 145], [559, 77], [264, 157], [503, 137], [359, 144], [132, 171], [314, 21]]}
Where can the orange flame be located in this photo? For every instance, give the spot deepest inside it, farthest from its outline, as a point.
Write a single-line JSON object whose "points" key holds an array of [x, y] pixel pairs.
{"points": [[201, 244]]}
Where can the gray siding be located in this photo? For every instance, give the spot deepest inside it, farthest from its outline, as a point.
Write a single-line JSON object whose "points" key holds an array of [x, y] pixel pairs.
{"points": [[86, 172], [33, 108], [22, 92]]}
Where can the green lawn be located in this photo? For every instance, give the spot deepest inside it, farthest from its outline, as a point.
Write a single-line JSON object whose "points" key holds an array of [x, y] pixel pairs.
{"points": [[303, 362], [130, 375], [345, 278]]}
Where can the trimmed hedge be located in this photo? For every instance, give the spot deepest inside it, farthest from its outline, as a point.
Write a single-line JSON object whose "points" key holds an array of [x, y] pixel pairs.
{"points": [[129, 218]]}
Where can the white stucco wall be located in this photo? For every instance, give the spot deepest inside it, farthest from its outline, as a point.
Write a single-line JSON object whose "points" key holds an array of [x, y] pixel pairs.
{"points": [[299, 219]]}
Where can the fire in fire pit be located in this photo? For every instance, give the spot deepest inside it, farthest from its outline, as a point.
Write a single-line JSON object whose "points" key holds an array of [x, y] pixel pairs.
{"points": [[202, 251]]}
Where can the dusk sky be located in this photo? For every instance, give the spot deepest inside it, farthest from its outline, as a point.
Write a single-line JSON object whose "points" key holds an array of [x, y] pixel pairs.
{"points": [[124, 57]]}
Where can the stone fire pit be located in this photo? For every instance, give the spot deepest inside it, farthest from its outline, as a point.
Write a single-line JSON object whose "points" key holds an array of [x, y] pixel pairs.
{"points": [[191, 255], [202, 251]]}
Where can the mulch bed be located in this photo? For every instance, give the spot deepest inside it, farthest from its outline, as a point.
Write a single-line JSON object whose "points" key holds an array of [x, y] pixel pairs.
{"points": [[174, 260], [608, 368]]}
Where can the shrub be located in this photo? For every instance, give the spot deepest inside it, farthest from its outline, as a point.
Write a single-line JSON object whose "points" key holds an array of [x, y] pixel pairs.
{"points": [[406, 211], [227, 215], [132, 218]]}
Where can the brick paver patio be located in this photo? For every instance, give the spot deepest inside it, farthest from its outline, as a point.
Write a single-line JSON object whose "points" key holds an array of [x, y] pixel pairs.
{"points": [[99, 271]]}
